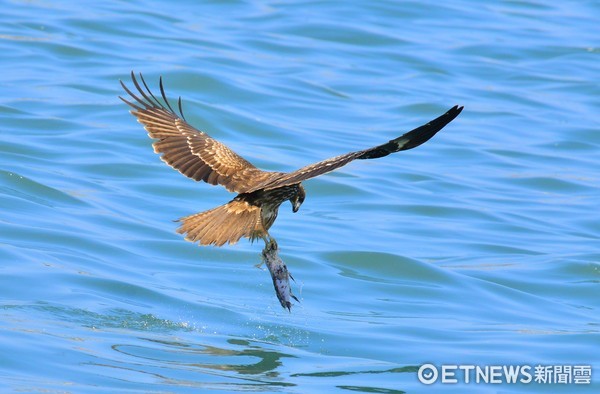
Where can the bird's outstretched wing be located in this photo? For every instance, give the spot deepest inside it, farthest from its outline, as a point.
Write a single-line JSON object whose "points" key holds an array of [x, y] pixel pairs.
{"points": [[406, 141], [188, 150]]}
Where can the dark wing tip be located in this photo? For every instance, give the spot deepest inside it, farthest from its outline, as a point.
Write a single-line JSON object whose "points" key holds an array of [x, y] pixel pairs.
{"points": [[415, 137], [146, 98], [456, 110], [423, 133], [448, 116], [180, 108]]}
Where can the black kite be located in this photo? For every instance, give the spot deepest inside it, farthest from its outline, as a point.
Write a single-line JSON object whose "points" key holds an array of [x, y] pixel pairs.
{"points": [[260, 193]]}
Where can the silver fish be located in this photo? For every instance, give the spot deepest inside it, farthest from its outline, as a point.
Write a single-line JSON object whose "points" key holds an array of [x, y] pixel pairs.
{"points": [[279, 274]]}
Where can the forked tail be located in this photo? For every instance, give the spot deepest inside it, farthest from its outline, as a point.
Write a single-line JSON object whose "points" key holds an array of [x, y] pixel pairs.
{"points": [[225, 224]]}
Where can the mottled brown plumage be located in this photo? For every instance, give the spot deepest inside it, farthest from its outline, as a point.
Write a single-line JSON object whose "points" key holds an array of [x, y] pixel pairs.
{"points": [[260, 193]]}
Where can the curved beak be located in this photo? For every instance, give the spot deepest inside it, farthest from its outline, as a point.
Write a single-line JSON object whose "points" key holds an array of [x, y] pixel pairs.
{"points": [[296, 206]]}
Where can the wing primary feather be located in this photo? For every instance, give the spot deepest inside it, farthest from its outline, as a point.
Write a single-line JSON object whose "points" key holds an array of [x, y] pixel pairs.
{"points": [[131, 104], [139, 100], [164, 96], [154, 100], [180, 109]]}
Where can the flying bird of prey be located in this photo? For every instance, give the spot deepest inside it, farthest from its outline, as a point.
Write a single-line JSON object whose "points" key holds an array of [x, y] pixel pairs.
{"points": [[259, 193]]}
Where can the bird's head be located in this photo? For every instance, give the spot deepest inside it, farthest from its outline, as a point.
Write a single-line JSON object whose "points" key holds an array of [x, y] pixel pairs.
{"points": [[298, 199]]}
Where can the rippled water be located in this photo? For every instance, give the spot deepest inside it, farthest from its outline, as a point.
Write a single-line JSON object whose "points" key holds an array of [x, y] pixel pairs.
{"points": [[480, 247]]}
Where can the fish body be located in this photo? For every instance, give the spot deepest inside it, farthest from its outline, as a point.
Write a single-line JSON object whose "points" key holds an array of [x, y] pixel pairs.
{"points": [[279, 274]]}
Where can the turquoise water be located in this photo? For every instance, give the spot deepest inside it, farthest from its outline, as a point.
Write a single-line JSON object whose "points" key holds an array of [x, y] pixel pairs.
{"points": [[480, 247]]}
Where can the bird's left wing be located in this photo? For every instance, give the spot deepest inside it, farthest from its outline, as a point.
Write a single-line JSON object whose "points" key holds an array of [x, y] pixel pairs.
{"points": [[406, 141], [190, 151]]}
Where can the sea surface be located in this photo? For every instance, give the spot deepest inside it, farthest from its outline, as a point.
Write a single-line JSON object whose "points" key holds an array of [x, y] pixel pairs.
{"points": [[480, 248]]}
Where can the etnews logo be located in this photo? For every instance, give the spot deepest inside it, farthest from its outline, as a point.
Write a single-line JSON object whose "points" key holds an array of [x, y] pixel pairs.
{"points": [[511, 374]]}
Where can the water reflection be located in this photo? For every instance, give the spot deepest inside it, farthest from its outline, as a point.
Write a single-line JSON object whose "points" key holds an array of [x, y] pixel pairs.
{"points": [[245, 360]]}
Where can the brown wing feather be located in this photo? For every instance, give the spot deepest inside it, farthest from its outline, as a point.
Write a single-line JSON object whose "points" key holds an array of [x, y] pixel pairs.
{"points": [[406, 141], [190, 151]]}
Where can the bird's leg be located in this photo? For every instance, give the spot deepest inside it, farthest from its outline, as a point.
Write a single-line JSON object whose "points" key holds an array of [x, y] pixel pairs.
{"points": [[270, 245], [270, 242]]}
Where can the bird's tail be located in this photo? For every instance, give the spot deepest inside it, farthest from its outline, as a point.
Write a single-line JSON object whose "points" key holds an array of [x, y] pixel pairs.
{"points": [[225, 224]]}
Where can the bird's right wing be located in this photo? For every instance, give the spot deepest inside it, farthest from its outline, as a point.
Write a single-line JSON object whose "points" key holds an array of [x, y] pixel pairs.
{"points": [[190, 151], [409, 140]]}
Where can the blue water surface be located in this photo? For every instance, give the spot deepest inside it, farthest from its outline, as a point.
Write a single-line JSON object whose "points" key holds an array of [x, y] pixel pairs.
{"points": [[480, 247]]}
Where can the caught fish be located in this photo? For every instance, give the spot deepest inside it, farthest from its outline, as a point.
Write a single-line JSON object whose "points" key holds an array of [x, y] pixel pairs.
{"points": [[279, 274]]}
